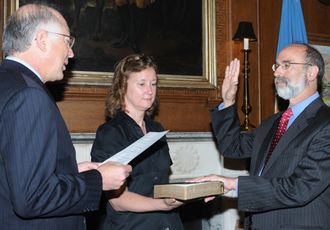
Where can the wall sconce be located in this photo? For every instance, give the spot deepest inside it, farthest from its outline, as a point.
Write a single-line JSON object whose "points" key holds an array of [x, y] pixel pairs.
{"points": [[245, 32]]}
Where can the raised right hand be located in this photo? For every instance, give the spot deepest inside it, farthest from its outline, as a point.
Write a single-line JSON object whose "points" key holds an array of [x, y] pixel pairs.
{"points": [[230, 83], [113, 175]]}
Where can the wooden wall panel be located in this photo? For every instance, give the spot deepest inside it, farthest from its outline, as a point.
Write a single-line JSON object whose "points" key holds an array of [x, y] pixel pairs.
{"points": [[242, 11], [187, 109], [317, 20], [83, 108], [181, 109], [317, 17], [269, 22], [84, 116]]}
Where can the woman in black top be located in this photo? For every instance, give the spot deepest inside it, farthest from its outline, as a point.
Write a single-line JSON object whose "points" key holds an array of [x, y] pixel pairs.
{"points": [[130, 103]]}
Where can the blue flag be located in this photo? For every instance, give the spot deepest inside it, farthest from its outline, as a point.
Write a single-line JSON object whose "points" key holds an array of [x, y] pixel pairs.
{"points": [[292, 27]]}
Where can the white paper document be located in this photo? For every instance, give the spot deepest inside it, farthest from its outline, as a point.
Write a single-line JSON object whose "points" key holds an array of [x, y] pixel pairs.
{"points": [[135, 149]]}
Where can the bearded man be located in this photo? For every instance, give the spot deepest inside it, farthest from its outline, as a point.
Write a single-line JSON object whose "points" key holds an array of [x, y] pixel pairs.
{"points": [[289, 182]]}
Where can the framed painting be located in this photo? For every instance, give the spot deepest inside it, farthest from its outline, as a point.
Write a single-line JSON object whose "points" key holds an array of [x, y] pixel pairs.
{"points": [[325, 51], [179, 34], [322, 44]]}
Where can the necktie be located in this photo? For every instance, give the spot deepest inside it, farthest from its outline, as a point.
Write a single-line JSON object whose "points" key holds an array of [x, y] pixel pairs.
{"points": [[279, 132]]}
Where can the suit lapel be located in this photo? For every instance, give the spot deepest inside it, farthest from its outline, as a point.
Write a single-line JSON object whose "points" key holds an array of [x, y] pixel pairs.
{"points": [[300, 123], [265, 137]]}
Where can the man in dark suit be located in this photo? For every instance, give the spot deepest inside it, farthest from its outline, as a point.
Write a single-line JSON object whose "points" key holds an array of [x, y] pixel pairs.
{"points": [[289, 185], [41, 185]]}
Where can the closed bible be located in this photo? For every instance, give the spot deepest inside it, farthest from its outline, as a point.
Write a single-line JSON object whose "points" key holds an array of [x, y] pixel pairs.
{"points": [[188, 191]]}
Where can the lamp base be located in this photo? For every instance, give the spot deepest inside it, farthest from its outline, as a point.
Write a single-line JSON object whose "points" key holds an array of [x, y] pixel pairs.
{"points": [[246, 126]]}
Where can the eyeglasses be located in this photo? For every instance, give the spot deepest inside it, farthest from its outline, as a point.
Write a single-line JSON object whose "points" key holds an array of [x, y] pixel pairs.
{"points": [[69, 39], [286, 65]]}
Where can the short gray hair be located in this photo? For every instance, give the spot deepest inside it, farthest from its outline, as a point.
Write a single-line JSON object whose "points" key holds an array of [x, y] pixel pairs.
{"points": [[22, 26]]}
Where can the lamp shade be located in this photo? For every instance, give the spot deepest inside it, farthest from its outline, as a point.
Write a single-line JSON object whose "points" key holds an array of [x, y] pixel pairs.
{"points": [[245, 30]]}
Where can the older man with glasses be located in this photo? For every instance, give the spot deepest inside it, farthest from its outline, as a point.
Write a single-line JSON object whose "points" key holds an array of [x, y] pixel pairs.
{"points": [[41, 185], [289, 182]]}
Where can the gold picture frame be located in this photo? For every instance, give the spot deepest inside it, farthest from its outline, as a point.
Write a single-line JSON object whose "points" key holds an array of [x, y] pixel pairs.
{"points": [[208, 79], [321, 42]]}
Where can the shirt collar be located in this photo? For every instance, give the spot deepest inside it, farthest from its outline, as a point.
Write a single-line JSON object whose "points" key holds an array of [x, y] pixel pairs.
{"points": [[298, 108], [12, 58]]}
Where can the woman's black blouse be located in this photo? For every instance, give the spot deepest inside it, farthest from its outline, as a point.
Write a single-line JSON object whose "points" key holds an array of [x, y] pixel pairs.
{"points": [[149, 168]]}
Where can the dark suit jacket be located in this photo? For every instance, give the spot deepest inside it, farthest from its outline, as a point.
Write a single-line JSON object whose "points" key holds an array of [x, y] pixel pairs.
{"points": [[40, 187], [293, 191]]}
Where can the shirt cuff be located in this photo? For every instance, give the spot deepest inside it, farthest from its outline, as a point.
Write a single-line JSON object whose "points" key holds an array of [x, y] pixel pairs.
{"points": [[221, 106]]}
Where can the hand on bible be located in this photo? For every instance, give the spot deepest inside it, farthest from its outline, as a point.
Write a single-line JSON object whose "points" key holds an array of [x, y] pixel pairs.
{"points": [[229, 183]]}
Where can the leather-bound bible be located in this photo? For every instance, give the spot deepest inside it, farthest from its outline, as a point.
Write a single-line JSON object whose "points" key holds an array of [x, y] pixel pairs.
{"points": [[188, 191]]}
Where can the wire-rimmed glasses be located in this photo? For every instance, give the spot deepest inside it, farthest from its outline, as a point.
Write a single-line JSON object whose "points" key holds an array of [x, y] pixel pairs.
{"points": [[70, 39], [286, 65]]}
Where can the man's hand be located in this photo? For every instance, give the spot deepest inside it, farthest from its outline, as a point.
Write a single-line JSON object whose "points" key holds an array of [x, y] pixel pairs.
{"points": [[86, 165], [113, 175], [229, 183], [230, 83]]}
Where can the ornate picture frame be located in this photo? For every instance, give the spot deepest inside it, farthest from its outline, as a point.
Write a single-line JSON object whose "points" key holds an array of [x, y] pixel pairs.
{"points": [[206, 78], [322, 44]]}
